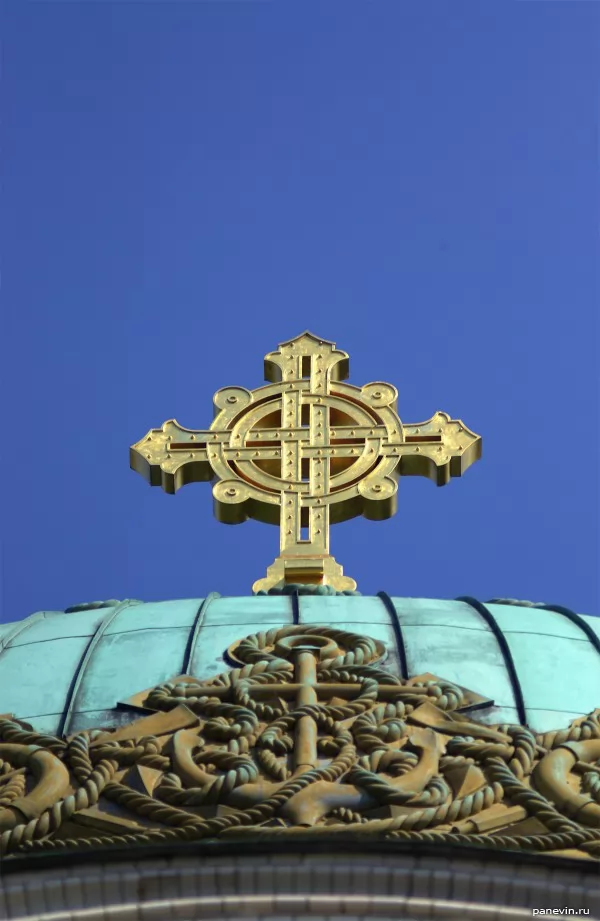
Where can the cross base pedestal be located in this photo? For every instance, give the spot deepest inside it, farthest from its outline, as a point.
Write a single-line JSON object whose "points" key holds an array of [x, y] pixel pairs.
{"points": [[321, 570]]}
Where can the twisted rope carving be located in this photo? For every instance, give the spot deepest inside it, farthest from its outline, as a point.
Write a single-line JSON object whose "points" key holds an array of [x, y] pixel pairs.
{"points": [[239, 769], [590, 784], [361, 651], [93, 780], [13, 731], [589, 728], [13, 788], [241, 742], [541, 843], [348, 816]]}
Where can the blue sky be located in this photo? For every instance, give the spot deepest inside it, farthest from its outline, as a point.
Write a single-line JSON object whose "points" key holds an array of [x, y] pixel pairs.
{"points": [[187, 184]]}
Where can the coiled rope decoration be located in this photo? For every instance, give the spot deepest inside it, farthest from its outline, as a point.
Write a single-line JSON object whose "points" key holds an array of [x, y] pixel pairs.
{"points": [[375, 751]]}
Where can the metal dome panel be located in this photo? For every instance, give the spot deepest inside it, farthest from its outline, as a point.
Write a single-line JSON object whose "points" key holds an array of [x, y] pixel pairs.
{"points": [[65, 671]]}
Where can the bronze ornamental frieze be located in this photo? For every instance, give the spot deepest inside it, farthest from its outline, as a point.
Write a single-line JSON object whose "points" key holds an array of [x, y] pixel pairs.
{"points": [[308, 735]]}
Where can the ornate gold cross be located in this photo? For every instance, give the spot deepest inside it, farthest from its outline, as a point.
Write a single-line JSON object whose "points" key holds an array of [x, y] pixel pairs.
{"points": [[305, 452]]}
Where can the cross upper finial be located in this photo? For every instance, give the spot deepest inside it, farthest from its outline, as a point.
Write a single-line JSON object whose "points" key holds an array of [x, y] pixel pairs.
{"points": [[305, 452]]}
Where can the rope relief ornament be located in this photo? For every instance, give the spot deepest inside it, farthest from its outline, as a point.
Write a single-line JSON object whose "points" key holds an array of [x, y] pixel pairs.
{"points": [[310, 735]]}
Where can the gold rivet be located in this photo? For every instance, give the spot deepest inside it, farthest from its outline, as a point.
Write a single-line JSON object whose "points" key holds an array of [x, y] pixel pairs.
{"points": [[232, 399], [230, 492], [377, 487]]}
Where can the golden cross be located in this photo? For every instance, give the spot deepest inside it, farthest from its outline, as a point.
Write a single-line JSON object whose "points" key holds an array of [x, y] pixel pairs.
{"points": [[305, 452]]}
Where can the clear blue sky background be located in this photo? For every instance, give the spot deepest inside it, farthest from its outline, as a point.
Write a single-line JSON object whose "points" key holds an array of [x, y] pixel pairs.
{"points": [[187, 184]]}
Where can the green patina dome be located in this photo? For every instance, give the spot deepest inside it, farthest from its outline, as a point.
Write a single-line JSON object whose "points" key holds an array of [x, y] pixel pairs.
{"points": [[64, 671]]}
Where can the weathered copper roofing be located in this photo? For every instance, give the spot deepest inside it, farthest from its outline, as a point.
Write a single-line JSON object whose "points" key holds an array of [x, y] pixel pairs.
{"points": [[62, 671]]}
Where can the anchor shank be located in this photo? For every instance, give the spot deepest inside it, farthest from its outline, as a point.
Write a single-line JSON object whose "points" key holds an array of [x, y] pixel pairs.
{"points": [[305, 749]]}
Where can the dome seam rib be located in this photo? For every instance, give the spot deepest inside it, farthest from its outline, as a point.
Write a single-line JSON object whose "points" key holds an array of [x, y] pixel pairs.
{"points": [[397, 628], [80, 672], [296, 608], [21, 627], [577, 620], [509, 662], [195, 631]]}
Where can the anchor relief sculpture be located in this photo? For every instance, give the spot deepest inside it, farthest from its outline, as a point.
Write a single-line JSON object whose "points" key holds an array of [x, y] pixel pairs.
{"points": [[307, 735]]}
